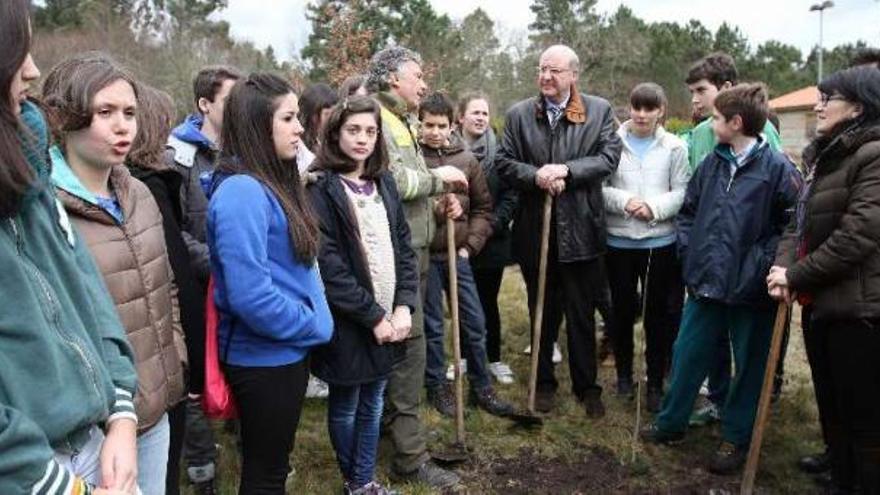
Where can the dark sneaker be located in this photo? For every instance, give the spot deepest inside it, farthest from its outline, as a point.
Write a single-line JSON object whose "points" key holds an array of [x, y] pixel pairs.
{"points": [[654, 399], [625, 388], [442, 399], [544, 400], [652, 434], [729, 458], [816, 463], [593, 406], [430, 474], [489, 401]]}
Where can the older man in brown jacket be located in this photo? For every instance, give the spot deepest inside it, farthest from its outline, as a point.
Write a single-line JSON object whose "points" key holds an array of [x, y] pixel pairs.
{"points": [[471, 209]]}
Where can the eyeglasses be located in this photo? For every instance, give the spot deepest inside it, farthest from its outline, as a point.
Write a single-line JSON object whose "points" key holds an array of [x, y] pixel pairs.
{"points": [[356, 130], [824, 99], [553, 71]]}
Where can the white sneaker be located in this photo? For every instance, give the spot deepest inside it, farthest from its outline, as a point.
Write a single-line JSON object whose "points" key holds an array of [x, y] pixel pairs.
{"points": [[317, 388], [450, 371], [704, 388], [557, 354], [502, 372]]}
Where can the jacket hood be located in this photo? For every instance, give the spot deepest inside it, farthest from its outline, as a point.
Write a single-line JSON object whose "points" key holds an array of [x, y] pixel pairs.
{"points": [[623, 131], [36, 139], [575, 111], [454, 146], [76, 198], [190, 131], [843, 143], [393, 103], [725, 151], [210, 181]]}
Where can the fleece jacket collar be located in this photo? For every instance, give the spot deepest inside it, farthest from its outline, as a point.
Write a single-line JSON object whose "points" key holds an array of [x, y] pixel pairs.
{"points": [[190, 131]]}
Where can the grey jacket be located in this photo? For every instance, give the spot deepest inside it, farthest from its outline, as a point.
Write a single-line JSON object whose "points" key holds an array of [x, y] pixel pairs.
{"points": [[191, 162]]}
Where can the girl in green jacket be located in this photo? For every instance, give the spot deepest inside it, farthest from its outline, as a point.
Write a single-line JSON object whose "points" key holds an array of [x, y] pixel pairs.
{"points": [[67, 422]]}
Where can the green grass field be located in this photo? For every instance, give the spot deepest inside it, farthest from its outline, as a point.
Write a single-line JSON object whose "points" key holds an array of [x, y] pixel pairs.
{"points": [[571, 454]]}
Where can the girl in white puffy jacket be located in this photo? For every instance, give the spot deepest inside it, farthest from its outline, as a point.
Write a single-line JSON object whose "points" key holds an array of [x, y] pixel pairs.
{"points": [[642, 198]]}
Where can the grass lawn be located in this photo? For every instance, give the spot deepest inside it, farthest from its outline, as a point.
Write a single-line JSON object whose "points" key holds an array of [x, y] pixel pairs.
{"points": [[571, 454]]}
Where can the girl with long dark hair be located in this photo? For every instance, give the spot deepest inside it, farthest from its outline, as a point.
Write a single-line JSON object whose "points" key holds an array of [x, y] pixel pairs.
{"points": [[264, 243]]}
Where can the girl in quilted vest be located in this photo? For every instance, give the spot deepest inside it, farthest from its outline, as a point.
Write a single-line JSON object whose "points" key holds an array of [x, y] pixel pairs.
{"points": [[95, 105]]}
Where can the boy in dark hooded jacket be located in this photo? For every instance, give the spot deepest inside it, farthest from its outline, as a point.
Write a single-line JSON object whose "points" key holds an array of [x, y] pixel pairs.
{"points": [[737, 205]]}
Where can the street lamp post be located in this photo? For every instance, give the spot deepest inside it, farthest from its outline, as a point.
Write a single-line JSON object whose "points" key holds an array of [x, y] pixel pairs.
{"points": [[827, 4]]}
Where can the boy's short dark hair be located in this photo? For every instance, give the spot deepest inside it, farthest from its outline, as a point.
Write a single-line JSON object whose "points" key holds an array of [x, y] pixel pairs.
{"points": [[437, 104], [208, 81], [647, 95], [717, 68], [749, 101]]}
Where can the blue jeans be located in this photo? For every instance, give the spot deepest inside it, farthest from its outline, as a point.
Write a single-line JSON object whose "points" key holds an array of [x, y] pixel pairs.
{"points": [[152, 453], [471, 318], [353, 416]]}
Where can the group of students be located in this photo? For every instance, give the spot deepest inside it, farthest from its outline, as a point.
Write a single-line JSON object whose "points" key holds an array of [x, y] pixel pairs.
{"points": [[325, 249]]}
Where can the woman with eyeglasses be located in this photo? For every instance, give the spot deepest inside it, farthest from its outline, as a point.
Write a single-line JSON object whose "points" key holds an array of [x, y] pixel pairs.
{"points": [[829, 261]]}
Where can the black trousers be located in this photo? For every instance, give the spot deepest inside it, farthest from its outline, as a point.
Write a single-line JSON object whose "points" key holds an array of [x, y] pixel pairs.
{"points": [[270, 401], [844, 360], [570, 293], [663, 303], [488, 282], [177, 423]]}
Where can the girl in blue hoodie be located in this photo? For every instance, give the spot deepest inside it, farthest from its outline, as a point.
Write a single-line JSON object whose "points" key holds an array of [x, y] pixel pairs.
{"points": [[263, 239]]}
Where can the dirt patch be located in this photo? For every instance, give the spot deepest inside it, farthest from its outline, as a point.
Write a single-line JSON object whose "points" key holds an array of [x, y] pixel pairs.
{"points": [[595, 470]]}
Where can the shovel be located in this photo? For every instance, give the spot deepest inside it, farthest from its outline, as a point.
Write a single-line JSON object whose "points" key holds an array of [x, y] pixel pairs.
{"points": [[639, 373], [457, 451], [748, 482], [539, 306]]}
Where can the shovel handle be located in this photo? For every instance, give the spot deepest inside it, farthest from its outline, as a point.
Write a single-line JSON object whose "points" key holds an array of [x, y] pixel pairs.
{"points": [[452, 266], [539, 304], [748, 481]]}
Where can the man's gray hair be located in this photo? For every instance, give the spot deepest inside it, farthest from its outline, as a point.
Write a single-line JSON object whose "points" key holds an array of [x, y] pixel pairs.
{"points": [[384, 63]]}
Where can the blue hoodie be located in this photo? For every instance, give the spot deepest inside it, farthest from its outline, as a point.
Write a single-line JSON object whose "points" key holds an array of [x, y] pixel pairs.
{"points": [[190, 131], [272, 305]]}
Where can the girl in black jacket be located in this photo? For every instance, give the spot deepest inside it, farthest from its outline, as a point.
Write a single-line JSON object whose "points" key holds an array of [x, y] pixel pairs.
{"points": [[371, 279]]}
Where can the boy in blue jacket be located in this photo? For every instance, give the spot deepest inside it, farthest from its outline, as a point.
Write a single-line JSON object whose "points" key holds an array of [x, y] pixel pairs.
{"points": [[735, 209]]}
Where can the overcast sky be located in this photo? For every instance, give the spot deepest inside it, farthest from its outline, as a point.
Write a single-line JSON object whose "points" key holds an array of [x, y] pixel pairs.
{"points": [[282, 23]]}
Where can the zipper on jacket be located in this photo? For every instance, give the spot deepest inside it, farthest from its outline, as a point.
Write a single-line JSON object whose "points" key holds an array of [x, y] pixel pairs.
{"points": [[140, 270], [54, 311]]}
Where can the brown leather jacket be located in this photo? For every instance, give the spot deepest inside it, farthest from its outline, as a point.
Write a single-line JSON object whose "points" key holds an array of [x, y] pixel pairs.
{"points": [[474, 226], [134, 263], [839, 232]]}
